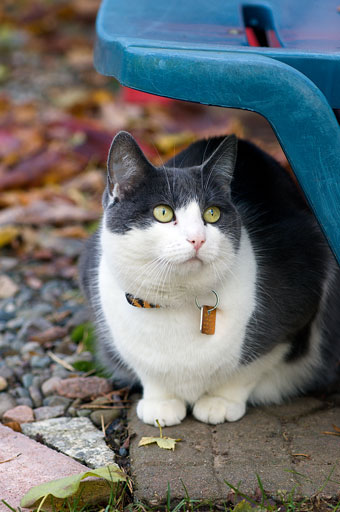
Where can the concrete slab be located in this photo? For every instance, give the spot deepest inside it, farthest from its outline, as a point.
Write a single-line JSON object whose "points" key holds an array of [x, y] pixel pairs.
{"points": [[279, 444], [32, 464]]}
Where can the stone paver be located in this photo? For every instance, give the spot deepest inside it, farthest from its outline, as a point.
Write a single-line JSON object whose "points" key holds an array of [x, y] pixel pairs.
{"points": [[279, 444], [32, 464], [76, 437]]}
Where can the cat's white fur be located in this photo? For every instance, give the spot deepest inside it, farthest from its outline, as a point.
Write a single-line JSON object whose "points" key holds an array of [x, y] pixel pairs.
{"points": [[176, 364]]}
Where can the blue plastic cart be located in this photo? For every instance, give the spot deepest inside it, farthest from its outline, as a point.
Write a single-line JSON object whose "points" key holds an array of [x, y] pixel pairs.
{"points": [[280, 58]]}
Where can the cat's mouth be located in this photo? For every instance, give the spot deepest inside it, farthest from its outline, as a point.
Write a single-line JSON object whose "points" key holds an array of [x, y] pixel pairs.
{"points": [[194, 259]]}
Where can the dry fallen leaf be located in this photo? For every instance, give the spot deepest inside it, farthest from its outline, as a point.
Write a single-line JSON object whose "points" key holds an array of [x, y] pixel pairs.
{"points": [[7, 234], [167, 443], [335, 433], [163, 442], [166, 143], [56, 212]]}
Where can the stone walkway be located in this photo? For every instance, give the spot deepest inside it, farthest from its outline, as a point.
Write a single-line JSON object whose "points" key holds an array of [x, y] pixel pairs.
{"points": [[286, 446]]}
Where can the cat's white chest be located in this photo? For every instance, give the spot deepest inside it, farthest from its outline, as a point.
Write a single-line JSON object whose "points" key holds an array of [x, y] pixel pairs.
{"points": [[166, 345]]}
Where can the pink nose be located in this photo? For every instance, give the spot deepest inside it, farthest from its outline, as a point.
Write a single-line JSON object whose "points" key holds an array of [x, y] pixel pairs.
{"points": [[197, 243]]}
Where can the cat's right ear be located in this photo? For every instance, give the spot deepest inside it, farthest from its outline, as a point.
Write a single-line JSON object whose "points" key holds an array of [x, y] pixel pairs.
{"points": [[222, 161], [127, 166]]}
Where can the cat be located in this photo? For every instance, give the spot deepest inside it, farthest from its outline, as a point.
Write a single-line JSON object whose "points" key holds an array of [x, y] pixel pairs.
{"points": [[221, 224]]}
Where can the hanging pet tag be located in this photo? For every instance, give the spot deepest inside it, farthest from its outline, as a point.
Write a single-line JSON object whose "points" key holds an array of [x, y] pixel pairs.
{"points": [[208, 316]]}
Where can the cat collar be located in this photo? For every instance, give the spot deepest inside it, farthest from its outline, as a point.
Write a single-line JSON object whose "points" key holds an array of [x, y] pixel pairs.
{"points": [[208, 313], [139, 303]]}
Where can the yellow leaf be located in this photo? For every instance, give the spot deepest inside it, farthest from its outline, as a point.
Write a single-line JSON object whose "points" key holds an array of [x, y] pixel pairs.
{"points": [[167, 443], [147, 440], [7, 234], [173, 141]]}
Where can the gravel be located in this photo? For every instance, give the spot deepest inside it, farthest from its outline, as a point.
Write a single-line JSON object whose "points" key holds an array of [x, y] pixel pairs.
{"points": [[34, 387]]}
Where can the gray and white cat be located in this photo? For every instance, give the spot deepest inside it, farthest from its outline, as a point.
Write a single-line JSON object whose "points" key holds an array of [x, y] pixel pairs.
{"points": [[214, 221]]}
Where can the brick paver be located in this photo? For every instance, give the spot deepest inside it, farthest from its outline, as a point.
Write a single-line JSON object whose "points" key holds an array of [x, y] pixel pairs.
{"points": [[284, 445], [32, 464]]}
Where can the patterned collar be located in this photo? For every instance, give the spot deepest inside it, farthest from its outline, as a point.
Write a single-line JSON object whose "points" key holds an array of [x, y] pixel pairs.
{"points": [[139, 303]]}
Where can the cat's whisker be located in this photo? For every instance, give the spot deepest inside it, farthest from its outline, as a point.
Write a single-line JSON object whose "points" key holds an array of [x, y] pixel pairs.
{"points": [[151, 275], [162, 279]]}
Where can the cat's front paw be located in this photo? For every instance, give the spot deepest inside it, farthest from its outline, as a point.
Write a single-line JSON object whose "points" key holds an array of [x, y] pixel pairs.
{"points": [[214, 409], [166, 412]]}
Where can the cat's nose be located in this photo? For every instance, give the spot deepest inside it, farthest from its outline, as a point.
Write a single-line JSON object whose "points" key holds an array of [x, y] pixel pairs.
{"points": [[197, 243]]}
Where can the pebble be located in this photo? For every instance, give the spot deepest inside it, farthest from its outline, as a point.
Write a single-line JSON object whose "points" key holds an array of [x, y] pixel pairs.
{"points": [[20, 414], [57, 400], [83, 387], [33, 325], [3, 383], [123, 452], [8, 287], [36, 396], [40, 378], [75, 437], [7, 263], [16, 323], [40, 361], [59, 371], [5, 316], [6, 402], [17, 345], [24, 297], [6, 373], [9, 306], [48, 412], [50, 386], [20, 392], [52, 290], [12, 361], [24, 401], [31, 347], [83, 412], [108, 415], [66, 347], [37, 313], [27, 380]]}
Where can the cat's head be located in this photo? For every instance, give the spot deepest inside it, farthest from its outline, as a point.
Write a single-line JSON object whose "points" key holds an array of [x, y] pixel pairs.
{"points": [[169, 230]]}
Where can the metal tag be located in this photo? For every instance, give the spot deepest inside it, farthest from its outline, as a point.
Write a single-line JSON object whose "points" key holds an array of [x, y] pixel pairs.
{"points": [[208, 320]]}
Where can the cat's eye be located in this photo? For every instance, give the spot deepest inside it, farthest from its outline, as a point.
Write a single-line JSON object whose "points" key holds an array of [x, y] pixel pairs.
{"points": [[211, 214], [163, 213]]}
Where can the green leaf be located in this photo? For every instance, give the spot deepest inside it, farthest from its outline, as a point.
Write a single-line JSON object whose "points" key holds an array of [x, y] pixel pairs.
{"points": [[84, 333], [243, 506], [74, 486], [84, 366]]}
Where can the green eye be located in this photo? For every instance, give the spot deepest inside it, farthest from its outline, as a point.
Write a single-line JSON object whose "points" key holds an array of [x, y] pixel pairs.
{"points": [[211, 214], [163, 213]]}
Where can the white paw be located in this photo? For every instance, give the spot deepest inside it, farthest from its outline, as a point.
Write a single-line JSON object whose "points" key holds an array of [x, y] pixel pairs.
{"points": [[167, 412], [214, 409]]}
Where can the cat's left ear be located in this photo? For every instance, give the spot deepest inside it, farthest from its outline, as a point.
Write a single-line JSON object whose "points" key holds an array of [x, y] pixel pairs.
{"points": [[127, 166], [222, 162]]}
